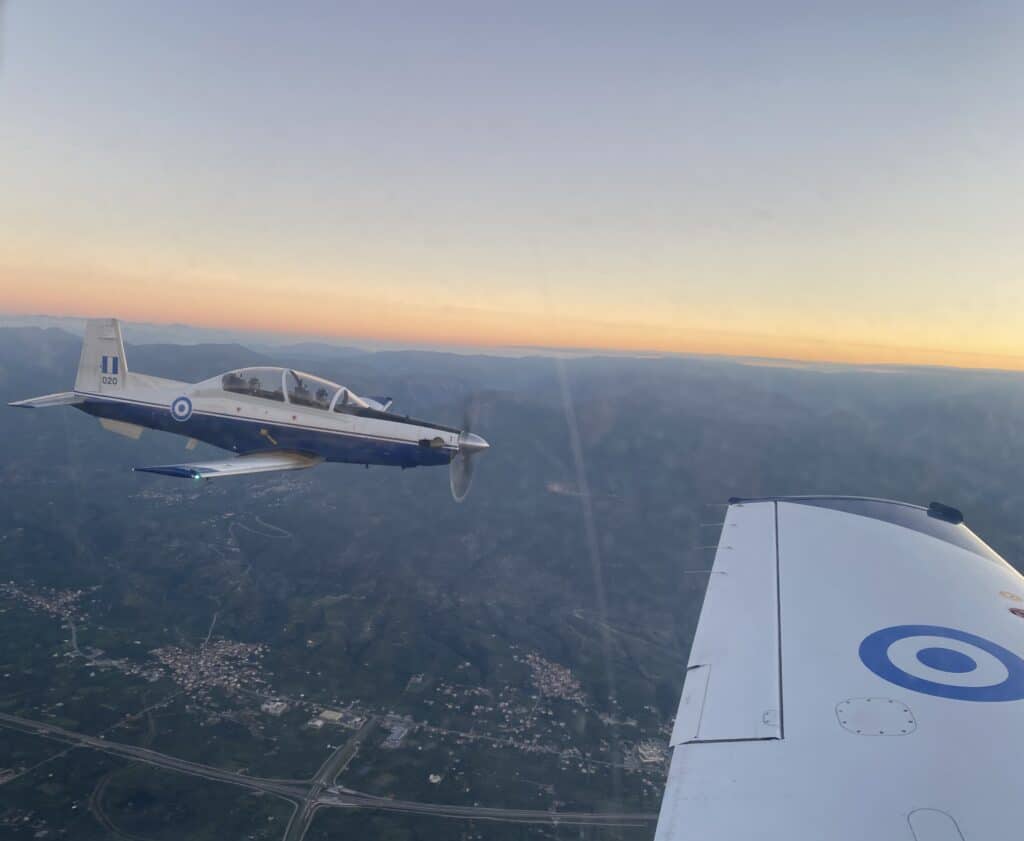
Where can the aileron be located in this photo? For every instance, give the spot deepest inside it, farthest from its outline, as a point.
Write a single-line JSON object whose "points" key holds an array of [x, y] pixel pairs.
{"points": [[737, 637]]}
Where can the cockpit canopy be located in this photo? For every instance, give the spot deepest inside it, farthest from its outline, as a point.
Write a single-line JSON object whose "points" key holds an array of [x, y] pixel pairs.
{"points": [[300, 388], [307, 390], [256, 382]]}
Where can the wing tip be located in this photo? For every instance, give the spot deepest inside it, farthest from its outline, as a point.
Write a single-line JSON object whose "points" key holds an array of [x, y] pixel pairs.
{"points": [[946, 513], [174, 470]]}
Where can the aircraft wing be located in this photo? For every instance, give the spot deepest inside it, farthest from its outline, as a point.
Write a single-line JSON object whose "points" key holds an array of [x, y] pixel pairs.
{"points": [[856, 673], [237, 466]]}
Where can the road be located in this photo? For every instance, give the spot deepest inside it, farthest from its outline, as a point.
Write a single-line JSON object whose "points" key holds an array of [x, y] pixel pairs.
{"points": [[336, 762], [294, 791], [340, 796], [306, 796]]}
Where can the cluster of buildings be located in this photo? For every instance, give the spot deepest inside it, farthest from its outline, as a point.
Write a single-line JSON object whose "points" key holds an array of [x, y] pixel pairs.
{"points": [[529, 721], [338, 718], [552, 680], [221, 663], [61, 604], [652, 752], [274, 707], [398, 728], [148, 671], [458, 697]]}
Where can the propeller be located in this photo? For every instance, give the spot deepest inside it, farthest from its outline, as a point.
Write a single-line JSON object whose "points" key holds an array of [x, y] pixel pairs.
{"points": [[470, 445]]}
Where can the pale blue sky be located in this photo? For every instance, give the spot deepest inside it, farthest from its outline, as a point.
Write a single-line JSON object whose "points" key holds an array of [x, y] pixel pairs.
{"points": [[835, 172]]}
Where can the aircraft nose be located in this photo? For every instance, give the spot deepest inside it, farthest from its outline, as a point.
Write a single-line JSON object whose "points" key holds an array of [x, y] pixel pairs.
{"points": [[472, 443]]}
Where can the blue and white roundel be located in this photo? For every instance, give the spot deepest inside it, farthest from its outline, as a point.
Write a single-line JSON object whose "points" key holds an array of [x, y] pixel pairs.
{"points": [[944, 662], [181, 409]]}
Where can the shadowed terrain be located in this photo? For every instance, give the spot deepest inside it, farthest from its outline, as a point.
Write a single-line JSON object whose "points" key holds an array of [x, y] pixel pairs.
{"points": [[523, 650]]}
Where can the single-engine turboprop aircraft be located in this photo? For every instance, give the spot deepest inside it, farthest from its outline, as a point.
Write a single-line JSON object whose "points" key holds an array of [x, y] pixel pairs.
{"points": [[271, 418]]}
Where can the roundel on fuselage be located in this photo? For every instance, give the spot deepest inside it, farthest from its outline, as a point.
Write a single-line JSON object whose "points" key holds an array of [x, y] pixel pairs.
{"points": [[181, 409]]}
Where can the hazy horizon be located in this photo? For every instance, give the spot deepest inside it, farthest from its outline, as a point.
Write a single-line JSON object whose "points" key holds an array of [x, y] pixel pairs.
{"points": [[152, 332]]}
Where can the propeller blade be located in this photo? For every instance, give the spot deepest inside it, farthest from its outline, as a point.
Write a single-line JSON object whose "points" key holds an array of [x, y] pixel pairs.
{"points": [[460, 475]]}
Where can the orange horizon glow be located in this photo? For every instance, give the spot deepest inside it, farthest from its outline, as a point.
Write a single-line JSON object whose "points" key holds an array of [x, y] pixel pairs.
{"points": [[296, 311]]}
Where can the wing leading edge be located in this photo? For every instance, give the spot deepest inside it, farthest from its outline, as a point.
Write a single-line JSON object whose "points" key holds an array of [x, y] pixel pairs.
{"points": [[900, 663], [238, 466]]}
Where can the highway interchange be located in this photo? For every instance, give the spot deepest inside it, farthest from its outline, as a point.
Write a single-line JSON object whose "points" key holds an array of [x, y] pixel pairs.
{"points": [[308, 796]]}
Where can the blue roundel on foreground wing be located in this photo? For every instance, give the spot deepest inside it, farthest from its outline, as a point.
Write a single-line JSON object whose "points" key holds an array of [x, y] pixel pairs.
{"points": [[947, 660], [181, 409], [944, 662]]}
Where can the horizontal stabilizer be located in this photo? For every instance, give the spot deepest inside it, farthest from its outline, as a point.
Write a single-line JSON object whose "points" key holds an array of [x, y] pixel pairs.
{"points": [[63, 398], [239, 466]]}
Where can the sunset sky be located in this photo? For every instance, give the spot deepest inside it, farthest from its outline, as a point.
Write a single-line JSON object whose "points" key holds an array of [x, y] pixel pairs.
{"points": [[816, 180]]}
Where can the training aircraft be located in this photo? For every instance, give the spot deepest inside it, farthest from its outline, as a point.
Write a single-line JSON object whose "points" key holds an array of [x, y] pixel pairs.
{"points": [[271, 418], [857, 673]]}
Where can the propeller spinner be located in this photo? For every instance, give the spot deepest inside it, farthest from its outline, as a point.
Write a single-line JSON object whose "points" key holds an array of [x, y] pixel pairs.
{"points": [[461, 471]]}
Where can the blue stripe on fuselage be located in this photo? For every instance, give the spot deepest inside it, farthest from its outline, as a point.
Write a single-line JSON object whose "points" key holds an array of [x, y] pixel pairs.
{"points": [[243, 435]]}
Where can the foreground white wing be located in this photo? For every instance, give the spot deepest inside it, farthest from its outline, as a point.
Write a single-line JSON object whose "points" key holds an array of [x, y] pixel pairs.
{"points": [[856, 674], [238, 466]]}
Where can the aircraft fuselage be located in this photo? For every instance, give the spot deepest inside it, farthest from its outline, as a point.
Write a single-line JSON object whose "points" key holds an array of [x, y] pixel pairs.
{"points": [[244, 424]]}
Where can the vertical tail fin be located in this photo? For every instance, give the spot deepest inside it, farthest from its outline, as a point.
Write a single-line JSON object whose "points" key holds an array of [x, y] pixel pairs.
{"points": [[102, 367]]}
